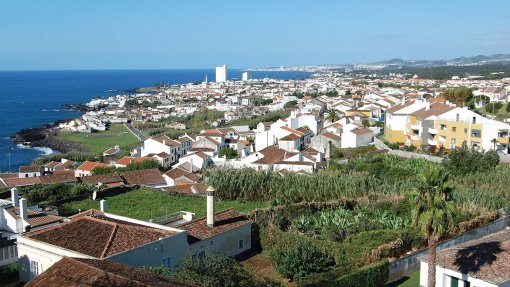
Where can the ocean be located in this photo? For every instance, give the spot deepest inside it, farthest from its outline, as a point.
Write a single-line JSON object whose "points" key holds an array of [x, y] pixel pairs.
{"points": [[32, 98]]}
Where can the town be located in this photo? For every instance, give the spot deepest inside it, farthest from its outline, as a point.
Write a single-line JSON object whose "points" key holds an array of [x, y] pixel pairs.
{"points": [[227, 155]]}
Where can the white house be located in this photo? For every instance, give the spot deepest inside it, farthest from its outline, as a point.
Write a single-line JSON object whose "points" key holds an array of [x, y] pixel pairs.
{"points": [[483, 262], [100, 235], [159, 144], [357, 137]]}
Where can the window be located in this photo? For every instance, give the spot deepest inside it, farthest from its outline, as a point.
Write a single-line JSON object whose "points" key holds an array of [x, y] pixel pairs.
{"points": [[34, 268], [13, 251], [457, 117], [454, 282], [474, 120], [476, 133], [241, 244], [465, 130], [442, 127], [167, 262], [454, 129], [1, 254]]}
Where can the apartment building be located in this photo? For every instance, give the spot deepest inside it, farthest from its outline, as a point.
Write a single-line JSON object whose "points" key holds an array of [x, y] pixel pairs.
{"points": [[440, 125]]}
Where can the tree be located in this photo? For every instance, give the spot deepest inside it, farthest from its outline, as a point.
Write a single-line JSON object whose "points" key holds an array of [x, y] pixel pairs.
{"points": [[433, 212], [332, 115], [460, 96], [302, 260], [494, 143], [290, 104], [217, 271], [229, 152], [464, 161]]}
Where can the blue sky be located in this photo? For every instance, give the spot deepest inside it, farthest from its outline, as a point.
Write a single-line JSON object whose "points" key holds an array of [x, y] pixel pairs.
{"points": [[124, 34]]}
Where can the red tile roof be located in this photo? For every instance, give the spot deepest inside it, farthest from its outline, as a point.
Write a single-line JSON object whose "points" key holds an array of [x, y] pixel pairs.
{"points": [[224, 221], [143, 177], [101, 178], [487, 258], [26, 181], [36, 219], [179, 172], [361, 131], [127, 160], [99, 236], [332, 136], [81, 272], [90, 165], [66, 176]]}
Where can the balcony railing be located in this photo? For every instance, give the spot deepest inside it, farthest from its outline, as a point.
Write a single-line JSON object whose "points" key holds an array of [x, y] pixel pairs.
{"points": [[503, 140], [432, 131], [432, 142], [415, 127]]}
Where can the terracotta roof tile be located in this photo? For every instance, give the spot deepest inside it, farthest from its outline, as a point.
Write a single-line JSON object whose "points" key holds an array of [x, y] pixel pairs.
{"points": [[66, 176], [90, 165], [179, 172], [143, 177], [103, 236], [224, 221], [26, 181], [101, 178], [81, 272], [35, 219], [487, 258]]}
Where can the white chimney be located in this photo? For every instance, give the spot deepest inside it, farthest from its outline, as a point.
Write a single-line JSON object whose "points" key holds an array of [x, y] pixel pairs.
{"points": [[427, 106], [102, 205], [15, 196], [23, 210], [210, 207], [191, 165]]}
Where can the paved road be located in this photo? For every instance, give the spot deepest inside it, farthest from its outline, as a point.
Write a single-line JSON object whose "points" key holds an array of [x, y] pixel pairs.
{"points": [[135, 131]]}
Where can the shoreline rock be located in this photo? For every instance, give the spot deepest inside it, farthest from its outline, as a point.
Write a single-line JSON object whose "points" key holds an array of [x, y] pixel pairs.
{"points": [[46, 136]]}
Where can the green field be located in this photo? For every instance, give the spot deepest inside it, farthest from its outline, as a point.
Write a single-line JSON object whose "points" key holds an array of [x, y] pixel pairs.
{"points": [[412, 280], [101, 141], [146, 203]]}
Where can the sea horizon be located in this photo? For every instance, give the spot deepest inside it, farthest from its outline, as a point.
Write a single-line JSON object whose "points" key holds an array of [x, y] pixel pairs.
{"points": [[33, 98]]}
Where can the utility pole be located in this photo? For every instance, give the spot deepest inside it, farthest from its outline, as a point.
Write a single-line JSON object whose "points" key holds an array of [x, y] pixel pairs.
{"points": [[9, 157]]}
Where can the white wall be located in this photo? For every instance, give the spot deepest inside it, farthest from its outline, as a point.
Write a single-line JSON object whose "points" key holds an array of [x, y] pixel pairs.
{"points": [[443, 277]]}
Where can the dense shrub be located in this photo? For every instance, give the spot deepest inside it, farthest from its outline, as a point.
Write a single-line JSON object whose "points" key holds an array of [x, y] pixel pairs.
{"points": [[74, 156], [9, 274], [39, 193], [374, 275], [147, 164], [465, 161], [340, 223], [301, 260], [217, 271], [229, 152]]}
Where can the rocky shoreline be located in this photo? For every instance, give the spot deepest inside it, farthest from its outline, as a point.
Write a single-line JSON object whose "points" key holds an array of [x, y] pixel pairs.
{"points": [[46, 136]]}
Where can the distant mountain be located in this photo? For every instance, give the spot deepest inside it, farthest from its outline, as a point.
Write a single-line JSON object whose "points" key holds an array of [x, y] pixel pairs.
{"points": [[461, 61]]}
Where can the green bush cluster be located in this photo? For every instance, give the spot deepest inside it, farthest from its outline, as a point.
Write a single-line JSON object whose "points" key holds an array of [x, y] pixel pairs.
{"points": [[465, 161], [74, 156], [147, 164], [301, 260], [374, 275], [39, 193]]}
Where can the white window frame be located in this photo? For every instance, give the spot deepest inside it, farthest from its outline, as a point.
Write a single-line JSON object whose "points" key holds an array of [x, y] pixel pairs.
{"points": [[35, 268]]}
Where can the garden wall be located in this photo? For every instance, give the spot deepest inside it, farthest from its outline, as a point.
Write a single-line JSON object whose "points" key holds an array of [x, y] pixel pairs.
{"points": [[406, 154], [410, 263]]}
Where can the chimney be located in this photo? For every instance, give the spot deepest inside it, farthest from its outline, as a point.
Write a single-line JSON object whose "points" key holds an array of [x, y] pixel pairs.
{"points": [[191, 165], [210, 207], [15, 196], [23, 210], [102, 205], [427, 106]]}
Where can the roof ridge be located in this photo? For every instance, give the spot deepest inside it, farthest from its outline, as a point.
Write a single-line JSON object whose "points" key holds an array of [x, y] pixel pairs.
{"points": [[110, 240]]}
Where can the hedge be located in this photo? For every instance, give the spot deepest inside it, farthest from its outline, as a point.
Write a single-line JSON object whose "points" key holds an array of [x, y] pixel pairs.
{"points": [[374, 275]]}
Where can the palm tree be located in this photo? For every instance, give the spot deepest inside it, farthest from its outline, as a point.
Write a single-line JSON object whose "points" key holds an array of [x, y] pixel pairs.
{"points": [[332, 115], [433, 211], [494, 143]]}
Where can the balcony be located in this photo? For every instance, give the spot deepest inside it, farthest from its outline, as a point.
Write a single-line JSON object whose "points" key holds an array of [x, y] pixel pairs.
{"points": [[416, 127], [432, 131], [503, 140], [432, 142], [415, 137]]}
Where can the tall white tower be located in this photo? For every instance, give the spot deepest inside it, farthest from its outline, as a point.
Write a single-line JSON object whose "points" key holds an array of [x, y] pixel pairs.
{"points": [[221, 74], [246, 76]]}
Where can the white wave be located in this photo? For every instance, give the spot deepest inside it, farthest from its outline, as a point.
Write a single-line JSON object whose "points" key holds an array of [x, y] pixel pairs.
{"points": [[50, 110], [44, 150]]}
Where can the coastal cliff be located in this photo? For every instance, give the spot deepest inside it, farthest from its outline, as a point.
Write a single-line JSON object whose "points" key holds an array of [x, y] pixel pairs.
{"points": [[46, 136]]}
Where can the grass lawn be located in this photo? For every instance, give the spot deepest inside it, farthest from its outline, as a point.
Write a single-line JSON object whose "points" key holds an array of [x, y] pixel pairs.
{"points": [[412, 280], [146, 203], [100, 141]]}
